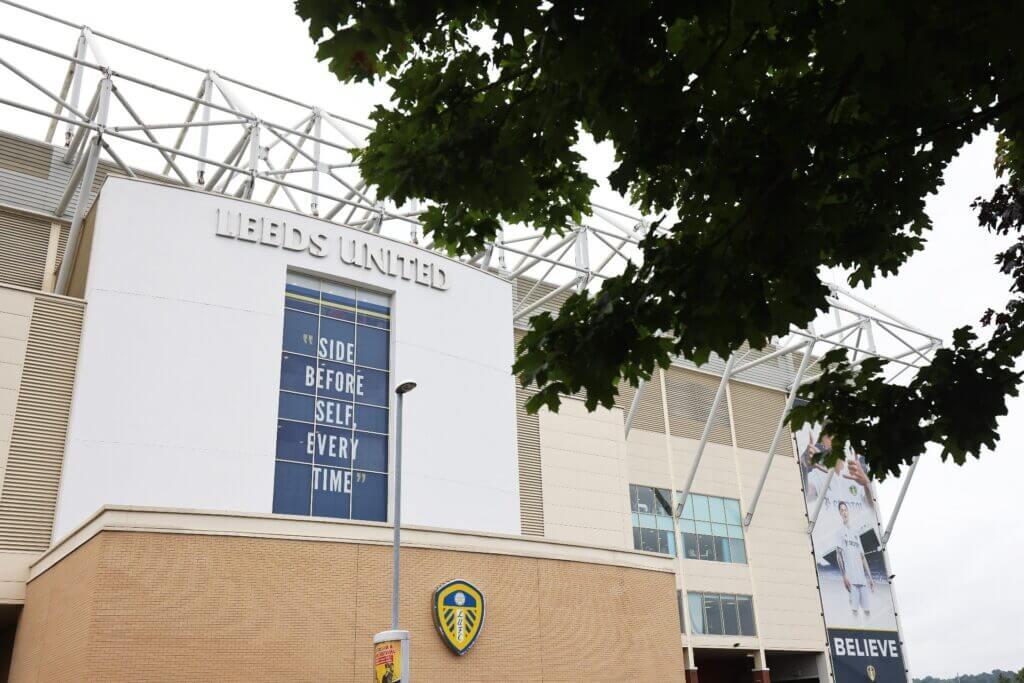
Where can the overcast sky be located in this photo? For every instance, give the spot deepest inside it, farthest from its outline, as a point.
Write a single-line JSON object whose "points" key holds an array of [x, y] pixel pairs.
{"points": [[958, 546]]}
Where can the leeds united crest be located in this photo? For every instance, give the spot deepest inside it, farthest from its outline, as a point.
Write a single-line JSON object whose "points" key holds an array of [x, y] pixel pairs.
{"points": [[458, 614]]}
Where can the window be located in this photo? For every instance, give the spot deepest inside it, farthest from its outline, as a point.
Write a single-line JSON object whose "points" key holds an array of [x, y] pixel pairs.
{"points": [[332, 427], [652, 521], [712, 527], [721, 614]]}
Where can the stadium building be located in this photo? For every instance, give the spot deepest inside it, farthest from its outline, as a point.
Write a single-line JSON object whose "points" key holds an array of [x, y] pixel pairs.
{"points": [[204, 316]]}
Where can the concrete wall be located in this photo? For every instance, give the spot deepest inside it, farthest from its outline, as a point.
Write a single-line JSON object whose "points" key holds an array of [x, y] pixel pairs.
{"points": [[176, 400], [588, 465], [256, 605]]}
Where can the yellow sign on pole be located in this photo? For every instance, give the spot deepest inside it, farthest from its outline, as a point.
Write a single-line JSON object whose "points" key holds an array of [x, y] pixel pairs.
{"points": [[389, 654], [387, 661]]}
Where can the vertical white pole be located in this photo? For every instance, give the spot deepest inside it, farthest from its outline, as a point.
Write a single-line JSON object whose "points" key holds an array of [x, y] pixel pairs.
{"points": [[398, 516], [76, 86]]}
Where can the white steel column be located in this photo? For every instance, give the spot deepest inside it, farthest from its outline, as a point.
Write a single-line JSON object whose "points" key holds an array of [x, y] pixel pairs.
{"points": [[899, 500], [778, 432], [682, 597], [88, 175], [754, 600], [76, 85]]}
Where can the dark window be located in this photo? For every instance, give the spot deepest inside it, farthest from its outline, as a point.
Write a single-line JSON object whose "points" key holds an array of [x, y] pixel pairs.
{"points": [[746, 610], [713, 614], [333, 417], [730, 618]]}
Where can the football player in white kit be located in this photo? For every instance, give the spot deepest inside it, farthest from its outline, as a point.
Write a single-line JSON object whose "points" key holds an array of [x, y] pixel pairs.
{"points": [[849, 484], [854, 565]]}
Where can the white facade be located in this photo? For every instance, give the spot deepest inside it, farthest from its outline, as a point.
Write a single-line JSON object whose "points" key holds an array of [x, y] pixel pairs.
{"points": [[176, 398]]}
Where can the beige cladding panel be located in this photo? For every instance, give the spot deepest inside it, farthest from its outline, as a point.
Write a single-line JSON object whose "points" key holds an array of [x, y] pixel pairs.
{"points": [[585, 492], [757, 411], [31, 472], [159, 606], [24, 240], [531, 488]]}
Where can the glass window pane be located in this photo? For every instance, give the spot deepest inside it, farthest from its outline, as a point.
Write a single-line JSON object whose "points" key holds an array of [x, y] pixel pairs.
{"points": [[645, 499], [299, 333], [302, 293], [746, 610], [688, 526], [732, 511], [717, 508], [291, 488], [371, 386], [337, 341], [735, 531], [636, 519], [688, 508], [636, 538], [369, 496], [665, 523], [371, 452], [333, 413], [704, 528], [371, 419], [713, 614], [332, 380], [690, 546], [295, 406], [649, 540], [332, 492], [294, 441], [722, 553], [696, 605], [700, 508], [738, 550], [373, 348], [647, 521], [664, 541], [333, 447], [669, 544], [664, 505], [298, 373], [706, 546], [719, 530], [730, 618]]}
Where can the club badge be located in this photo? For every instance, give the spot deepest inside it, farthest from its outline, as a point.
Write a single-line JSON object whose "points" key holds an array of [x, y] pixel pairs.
{"points": [[458, 614]]}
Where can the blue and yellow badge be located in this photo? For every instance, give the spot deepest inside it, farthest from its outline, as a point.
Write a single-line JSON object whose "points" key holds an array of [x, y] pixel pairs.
{"points": [[458, 614]]}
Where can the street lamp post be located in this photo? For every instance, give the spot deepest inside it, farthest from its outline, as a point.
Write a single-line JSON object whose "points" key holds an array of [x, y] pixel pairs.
{"points": [[391, 648], [401, 390]]}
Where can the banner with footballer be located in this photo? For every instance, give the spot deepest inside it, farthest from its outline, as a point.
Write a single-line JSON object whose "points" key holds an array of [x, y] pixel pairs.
{"points": [[855, 592]]}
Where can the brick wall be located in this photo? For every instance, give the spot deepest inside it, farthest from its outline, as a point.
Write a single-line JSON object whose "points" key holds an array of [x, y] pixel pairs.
{"points": [[150, 606]]}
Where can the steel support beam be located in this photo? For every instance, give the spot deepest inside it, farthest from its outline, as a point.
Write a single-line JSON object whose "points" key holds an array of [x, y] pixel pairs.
{"points": [[804, 362], [899, 500]]}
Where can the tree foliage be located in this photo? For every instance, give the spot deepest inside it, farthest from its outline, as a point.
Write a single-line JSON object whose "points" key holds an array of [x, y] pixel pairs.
{"points": [[785, 135]]}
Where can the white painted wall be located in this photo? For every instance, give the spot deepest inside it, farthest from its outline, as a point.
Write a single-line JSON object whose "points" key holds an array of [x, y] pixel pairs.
{"points": [[175, 402]]}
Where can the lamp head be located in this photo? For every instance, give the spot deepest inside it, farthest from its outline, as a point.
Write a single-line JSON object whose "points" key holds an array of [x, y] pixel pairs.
{"points": [[405, 388]]}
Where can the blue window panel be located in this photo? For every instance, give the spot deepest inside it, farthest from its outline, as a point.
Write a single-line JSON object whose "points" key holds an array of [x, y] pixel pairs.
{"points": [[299, 333], [333, 447], [374, 309], [687, 526], [371, 452], [335, 413], [665, 523], [332, 492], [298, 373], [301, 298], [704, 528], [688, 508], [369, 496], [719, 529], [291, 488], [372, 419], [335, 380], [295, 407], [373, 320], [735, 531], [717, 509], [700, 508], [338, 306], [373, 348], [337, 341], [732, 511], [294, 441], [372, 386], [647, 521]]}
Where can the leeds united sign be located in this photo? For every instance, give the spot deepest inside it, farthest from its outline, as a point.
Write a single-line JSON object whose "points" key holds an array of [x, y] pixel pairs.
{"points": [[356, 252]]}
